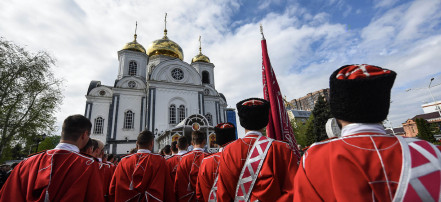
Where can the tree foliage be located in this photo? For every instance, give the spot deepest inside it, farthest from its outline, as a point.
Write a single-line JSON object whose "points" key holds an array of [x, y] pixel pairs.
{"points": [[29, 93], [302, 131], [49, 143], [321, 113], [424, 130]]}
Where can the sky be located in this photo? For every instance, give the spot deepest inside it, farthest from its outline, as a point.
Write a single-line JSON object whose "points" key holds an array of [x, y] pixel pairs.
{"points": [[307, 41]]}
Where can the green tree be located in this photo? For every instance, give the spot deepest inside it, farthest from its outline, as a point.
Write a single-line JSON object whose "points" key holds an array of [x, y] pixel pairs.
{"points": [[322, 113], [309, 131], [49, 143], [424, 130], [301, 131], [29, 93]]}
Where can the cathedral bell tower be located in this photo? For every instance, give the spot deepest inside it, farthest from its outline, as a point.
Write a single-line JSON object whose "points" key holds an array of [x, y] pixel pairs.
{"points": [[132, 59]]}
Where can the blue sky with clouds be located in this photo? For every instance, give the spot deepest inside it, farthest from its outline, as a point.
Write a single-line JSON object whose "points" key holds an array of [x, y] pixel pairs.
{"points": [[307, 41]]}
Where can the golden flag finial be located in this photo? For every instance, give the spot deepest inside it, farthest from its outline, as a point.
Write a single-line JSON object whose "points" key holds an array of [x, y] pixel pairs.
{"points": [[261, 31], [200, 45], [136, 27], [165, 26]]}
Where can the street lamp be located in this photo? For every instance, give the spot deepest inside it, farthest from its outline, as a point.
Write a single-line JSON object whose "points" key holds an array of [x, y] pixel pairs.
{"points": [[431, 95]]}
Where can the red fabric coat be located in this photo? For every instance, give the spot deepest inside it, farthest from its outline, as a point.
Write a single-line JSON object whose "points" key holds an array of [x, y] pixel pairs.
{"points": [[350, 169], [140, 176], [207, 175], [64, 175], [186, 175], [106, 170], [172, 165], [276, 178]]}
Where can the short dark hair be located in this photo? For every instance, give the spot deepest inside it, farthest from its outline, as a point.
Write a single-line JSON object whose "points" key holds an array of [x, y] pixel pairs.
{"points": [[94, 144], [174, 146], [88, 145], [145, 138], [167, 149], [182, 143], [110, 157], [74, 126], [198, 137]]}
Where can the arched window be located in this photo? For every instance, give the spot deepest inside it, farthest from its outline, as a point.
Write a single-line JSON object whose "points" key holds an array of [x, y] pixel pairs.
{"points": [[205, 77], [132, 68], [98, 126], [209, 118], [129, 118], [172, 115], [181, 112]]}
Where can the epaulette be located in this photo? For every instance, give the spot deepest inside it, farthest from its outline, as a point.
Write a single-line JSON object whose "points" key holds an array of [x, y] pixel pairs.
{"points": [[40, 152]]}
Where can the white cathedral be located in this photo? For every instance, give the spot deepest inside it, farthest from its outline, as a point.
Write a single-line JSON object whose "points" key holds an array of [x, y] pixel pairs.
{"points": [[158, 91]]}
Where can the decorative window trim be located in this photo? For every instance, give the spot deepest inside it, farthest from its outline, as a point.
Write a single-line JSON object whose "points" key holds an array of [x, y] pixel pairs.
{"points": [[129, 120], [205, 77], [133, 68], [181, 113], [172, 114], [98, 126], [177, 74]]}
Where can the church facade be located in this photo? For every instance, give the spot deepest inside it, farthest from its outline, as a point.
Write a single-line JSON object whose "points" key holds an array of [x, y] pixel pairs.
{"points": [[157, 90]]}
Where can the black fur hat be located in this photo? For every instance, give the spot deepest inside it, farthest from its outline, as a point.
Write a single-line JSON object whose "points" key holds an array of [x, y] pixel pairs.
{"points": [[225, 133], [253, 113], [361, 93]]}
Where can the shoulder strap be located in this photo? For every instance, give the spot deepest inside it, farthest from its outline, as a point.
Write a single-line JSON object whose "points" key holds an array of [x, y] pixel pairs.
{"points": [[420, 172], [251, 169]]}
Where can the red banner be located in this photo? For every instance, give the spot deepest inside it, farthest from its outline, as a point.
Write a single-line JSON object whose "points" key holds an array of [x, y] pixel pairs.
{"points": [[279, 127]]}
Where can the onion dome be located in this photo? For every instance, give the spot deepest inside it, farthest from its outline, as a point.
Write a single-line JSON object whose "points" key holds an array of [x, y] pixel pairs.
{"points": [[200, 57], [166, 47], [134, 46]]}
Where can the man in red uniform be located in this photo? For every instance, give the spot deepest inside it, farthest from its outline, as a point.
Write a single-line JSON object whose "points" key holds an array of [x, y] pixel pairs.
{"points": [[207, 177], [173, 162], [61, 174], [365, 164], [142, 176], [256, 160], [188, 168]]}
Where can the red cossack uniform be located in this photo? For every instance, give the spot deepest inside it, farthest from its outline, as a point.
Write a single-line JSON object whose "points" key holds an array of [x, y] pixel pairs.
{"points": [[365, 164], [275, 180], [61, 174], [207, 175], [141, 177], [187, 173]]}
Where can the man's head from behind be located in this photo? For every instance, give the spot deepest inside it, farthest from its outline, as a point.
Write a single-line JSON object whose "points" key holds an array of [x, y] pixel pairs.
{"points": [[198, 139], [145, 140], [361, 93], [98, 149], [225, 133], [88, 148], [76, 130], [253, 113], [174, 147], [182, 143]]}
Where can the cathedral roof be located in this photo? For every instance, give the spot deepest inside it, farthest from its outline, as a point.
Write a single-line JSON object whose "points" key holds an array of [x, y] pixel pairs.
{"points": [[134, 46], [200, 58], [166, 47]]}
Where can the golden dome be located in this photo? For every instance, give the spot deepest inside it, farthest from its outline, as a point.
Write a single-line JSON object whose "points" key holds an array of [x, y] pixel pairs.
{"points": [[200, 58], [166, 47], [134, 46]]}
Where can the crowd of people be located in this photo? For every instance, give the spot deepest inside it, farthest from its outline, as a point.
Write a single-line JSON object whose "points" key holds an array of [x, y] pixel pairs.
{"points": [[363, 164]]}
